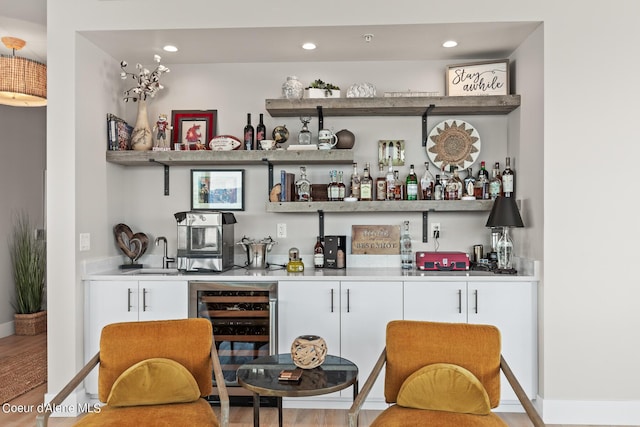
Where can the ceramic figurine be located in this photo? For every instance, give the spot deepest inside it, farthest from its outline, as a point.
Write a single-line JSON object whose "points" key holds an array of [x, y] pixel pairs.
{"points": [[162, 126]]}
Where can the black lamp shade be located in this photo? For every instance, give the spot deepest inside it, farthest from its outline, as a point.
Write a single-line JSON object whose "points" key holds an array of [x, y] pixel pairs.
{"points": [[504, 213]]}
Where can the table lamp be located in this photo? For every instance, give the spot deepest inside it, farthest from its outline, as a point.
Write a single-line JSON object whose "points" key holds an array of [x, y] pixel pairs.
{"points": [[505, 214]]}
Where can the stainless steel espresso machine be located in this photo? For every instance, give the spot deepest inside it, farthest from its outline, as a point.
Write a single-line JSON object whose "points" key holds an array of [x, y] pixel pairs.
{"points": [[205, 241]]}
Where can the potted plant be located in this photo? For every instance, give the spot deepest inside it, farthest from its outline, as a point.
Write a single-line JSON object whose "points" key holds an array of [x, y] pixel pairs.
{"points": [[28, 260], [320, 89]]}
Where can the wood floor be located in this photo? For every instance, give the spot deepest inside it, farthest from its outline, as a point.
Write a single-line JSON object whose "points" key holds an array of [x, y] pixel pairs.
{"points": [[239, 417]]}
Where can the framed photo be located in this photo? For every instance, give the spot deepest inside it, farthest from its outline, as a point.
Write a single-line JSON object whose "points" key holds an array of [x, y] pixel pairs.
{"points": [[217, 189], [478, 78], [391, 148], [193, 129]]}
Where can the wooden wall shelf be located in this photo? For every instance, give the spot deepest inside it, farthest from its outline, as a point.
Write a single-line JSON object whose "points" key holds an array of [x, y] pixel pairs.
{"points": [[394, 106], [383, 206]]}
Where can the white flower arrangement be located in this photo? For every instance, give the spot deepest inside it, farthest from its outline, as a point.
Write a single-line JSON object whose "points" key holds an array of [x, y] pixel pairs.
{"points": [[148, 82]]}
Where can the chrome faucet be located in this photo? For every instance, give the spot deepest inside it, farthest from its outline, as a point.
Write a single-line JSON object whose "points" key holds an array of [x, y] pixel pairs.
{"points": [[165, 258]]}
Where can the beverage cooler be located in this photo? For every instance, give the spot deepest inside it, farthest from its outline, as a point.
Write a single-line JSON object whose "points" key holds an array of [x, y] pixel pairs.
{"points": [[243, 316]]}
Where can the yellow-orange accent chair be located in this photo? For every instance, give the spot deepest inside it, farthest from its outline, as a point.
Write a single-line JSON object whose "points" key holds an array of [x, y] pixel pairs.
{"points": [[132, 345], [468, 353]]}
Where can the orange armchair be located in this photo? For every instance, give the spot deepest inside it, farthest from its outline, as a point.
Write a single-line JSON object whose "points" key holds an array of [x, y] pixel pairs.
{"points": [[441, 374], [154, 373]]}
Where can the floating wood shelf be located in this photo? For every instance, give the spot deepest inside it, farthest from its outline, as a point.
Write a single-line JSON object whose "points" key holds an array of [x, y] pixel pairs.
{"points": [[383, 206], [394, 106], [207, 157]]}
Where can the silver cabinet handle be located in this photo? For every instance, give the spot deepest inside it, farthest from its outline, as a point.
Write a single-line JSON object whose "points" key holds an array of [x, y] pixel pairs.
{"points": [[348, 301], [476, 298], [144, 299], [459, 301], [273, 326], [129, 292], [332, 300]]}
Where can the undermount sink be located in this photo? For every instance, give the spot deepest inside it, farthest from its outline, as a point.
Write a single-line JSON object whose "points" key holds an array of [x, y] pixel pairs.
{"points": [[157, 271]]}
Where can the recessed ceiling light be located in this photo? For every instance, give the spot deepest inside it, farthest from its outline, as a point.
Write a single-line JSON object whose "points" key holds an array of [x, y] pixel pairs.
{"points": [[309, 46], [450, 43], [170, 48]]}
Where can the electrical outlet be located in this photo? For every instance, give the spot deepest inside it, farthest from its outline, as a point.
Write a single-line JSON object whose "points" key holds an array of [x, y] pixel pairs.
{"points": [[435, 230], [85, 241], [281, 231]]}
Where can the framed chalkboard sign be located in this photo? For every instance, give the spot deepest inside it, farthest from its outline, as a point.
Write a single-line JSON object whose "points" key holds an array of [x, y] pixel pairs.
{"points": [[478, 78]]}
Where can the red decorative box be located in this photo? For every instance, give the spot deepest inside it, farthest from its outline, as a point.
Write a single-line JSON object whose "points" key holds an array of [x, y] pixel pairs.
{"points": [[442, 261]]}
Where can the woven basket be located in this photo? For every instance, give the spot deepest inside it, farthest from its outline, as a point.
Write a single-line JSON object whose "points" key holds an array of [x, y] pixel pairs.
{"points": [[308, 351], [30, 324]]}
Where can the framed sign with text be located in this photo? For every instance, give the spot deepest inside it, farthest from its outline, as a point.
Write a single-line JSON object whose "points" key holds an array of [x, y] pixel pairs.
{"points": [[478, 78]]}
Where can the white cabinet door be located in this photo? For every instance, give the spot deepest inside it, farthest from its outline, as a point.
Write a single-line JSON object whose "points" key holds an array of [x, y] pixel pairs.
{"points": [[111, 301], [366, 308], [309, 308], [511, 306], [435, 301], [163, 300]]}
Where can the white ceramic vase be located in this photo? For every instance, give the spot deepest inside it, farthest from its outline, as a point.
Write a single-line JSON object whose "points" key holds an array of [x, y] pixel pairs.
{"points": [[292, 88], [142, 137]]}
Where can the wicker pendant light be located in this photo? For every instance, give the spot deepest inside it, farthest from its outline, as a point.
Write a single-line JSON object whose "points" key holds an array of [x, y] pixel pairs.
{"points": [[23, 82]]}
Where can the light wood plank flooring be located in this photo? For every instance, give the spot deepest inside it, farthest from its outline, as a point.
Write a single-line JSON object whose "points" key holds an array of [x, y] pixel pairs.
{"points": [[239, 417]]}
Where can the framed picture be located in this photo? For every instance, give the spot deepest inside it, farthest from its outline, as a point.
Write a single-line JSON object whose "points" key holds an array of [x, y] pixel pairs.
{"points": [[217, 189], [478, 78], [193, 129], [391, 148]]}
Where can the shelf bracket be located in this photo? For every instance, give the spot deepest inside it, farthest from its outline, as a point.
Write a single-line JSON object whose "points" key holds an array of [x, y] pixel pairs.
{"points": [[320, 118], [166, 175], [425, 131], [425, 226], [270, 174], [321, 224]]}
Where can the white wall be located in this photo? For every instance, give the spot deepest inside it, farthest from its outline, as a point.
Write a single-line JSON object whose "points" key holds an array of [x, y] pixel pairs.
{"points": [[590, 109], [22, 176]]}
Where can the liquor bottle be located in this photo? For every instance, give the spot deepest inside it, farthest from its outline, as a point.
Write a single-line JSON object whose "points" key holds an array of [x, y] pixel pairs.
{"points": [[329, 187], [318, 254], [399, 187], [481, 189], [454, 186], [427, 182], [381, 183], [412, 184], [303, 186], [437, 189], [248, 134], [469, 183], [355, 182], [406, 253], [483, 171], [495, 185], [334, 192], [391, 182], [444, 180], [366, 185], [508, 179], [342, 189], [261, 132]]}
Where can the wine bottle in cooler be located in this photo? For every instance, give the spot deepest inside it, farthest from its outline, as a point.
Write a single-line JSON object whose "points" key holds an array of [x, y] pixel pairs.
{"points": [[261, 132], [249, 134]]}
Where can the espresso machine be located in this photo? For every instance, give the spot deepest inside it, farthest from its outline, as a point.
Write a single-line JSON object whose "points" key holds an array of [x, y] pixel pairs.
{"points": [[205, 241]]}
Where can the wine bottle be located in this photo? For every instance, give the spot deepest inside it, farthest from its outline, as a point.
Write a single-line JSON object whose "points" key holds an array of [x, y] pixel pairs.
{"points": [[412, 184], [342, 189], [249, 134], [261, 132], [508, 179], [318, 254]]}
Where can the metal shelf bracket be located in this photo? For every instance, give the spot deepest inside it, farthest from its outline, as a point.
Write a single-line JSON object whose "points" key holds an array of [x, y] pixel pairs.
{"points": [[321, 223], [425, 132], [166, 175]]}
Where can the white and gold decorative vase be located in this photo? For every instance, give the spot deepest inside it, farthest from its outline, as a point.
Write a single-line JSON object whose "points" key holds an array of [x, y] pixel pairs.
{"points": [[308, 351], [142, 137], [292, 88]]}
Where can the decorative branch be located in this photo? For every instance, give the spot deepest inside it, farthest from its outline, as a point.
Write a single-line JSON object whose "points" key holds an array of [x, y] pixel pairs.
{"points": [[148, 82]]}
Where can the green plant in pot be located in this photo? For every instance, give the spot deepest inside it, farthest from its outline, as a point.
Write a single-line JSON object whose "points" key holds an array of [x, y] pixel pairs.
{"points": [[328, 87], [28, 260]]}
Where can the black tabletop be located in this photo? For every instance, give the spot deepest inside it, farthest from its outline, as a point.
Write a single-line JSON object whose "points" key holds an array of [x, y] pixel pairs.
{"points": [[261, 376]]}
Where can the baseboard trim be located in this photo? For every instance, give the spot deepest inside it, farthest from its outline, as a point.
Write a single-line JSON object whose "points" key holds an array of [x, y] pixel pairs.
{"points": [[7, 329], [611, 413]]}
